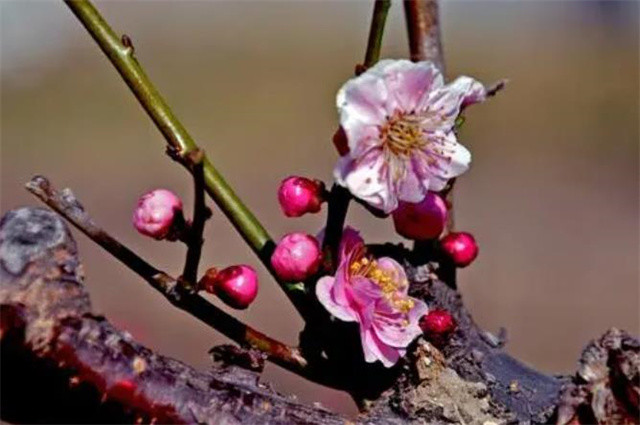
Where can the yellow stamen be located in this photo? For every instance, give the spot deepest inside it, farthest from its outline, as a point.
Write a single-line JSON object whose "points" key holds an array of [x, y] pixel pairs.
{"points": [[391, 287], [402, 134]]}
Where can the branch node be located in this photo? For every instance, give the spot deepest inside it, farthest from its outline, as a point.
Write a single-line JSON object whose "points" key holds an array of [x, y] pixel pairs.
{"points": [[247, 358], [128, 44]]}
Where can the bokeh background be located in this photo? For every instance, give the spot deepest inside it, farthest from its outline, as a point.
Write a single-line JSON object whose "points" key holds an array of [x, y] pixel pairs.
{"points": [[552, 195]]}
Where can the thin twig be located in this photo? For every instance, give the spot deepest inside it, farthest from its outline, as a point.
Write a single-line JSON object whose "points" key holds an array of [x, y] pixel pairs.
{"points": [[376, 31], [493, 89], [340, 197], [65, 203], [200, 215], [120, 50]]}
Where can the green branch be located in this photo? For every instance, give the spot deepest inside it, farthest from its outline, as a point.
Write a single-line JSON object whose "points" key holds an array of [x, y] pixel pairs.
{"points": [[374, 44], [120, 51]]}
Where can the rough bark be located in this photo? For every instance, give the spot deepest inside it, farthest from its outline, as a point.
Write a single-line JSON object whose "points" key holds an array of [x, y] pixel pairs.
{"points": [[63, 364]]}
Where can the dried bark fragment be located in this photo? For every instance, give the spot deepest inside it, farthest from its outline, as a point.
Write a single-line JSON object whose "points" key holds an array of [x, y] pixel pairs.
{"points": [[606, 389]]}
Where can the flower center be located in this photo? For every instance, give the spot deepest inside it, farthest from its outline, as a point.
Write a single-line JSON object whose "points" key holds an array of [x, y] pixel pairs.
{"points": [[402, 134], [391, 287]]}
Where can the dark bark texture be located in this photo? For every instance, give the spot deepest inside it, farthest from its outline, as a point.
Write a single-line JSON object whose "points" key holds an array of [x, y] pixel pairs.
{"points": [[63, 364]]}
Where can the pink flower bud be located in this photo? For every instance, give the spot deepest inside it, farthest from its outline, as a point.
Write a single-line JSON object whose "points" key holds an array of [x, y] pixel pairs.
{"points": [[297, 257], [437, 323], [155, 213], [237, 285], [300, 195], [461, 247], [424, 220]]}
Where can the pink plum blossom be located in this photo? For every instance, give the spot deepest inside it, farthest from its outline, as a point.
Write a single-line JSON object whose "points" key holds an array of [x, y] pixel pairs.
{"points": [[398, 120], [373, 293], [296, 257], [155, 213]]}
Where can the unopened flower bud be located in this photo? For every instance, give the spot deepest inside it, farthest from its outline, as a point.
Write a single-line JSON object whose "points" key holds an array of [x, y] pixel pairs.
{"points": [[423, 220], [461, 247], [297, 257], [300, 195], [437, 323], [155, 213], [236, 286]]}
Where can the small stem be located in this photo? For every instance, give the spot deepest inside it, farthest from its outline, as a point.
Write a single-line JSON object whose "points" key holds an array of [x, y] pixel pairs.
{"points": [[120, 53], [339, 199], [200, 215], [376, 31], [290, 358]]}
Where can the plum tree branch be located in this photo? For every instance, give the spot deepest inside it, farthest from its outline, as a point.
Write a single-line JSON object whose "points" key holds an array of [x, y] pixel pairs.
{"points": [[120, 52], [423, 28], [290, 358], [61, 363]]}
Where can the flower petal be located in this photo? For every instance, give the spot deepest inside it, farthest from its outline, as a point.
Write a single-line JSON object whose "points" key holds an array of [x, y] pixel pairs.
{"points": [[411, 189], [396, 271], [367, 178], [449, 158], [442, 159], [351, 241], [323, 292], [363, 99], [410, 82], [445, 103], [397, 329], [374, 349], [420, 309], [394, 333], [365, 291], [362, 105]]}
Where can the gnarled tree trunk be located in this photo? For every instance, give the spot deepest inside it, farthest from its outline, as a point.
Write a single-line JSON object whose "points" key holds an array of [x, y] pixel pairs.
{"points": [[62, 363]]}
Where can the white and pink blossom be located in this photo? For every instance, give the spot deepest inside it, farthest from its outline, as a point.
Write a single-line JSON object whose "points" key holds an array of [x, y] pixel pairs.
{"points": [[373, 293], [398, 120]]}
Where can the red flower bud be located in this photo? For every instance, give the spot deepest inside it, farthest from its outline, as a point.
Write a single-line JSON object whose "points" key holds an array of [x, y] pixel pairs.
{"points": [[437, 323], [237, 285], [155, 213], [300, 195], [424, 220], [461, 247], [297, 257]]}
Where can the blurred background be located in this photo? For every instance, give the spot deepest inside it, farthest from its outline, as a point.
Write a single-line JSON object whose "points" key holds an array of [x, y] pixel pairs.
{"points": [[552, 195]]}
